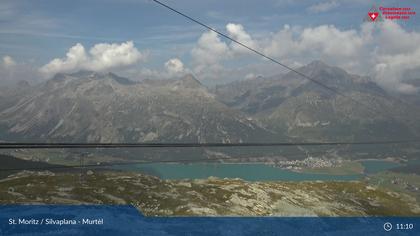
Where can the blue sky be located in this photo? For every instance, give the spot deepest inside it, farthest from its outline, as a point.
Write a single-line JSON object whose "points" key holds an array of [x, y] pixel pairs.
{"points": [[43, 30], [33, 33]]}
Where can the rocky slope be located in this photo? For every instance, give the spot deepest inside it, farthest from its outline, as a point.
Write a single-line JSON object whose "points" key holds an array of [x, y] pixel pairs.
{"points": [[92, 107], [213, 196], [303, 109]]}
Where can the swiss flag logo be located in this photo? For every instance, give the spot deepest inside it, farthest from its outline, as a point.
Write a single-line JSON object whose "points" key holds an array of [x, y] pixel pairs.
{"points": [[373, 15]]}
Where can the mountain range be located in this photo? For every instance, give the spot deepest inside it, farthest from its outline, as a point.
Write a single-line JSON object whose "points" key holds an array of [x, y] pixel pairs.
{"points": [[103, 107], [92, 107], [291, 105]]}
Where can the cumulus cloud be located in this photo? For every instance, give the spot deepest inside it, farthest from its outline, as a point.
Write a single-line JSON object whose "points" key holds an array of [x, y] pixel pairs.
{"points": [[389, 76], [174, 66], [7, 69], [13, 71], [100, 57], [331, 41], [397, 52], [171, 69], [393, 38], [237, 32], [290, 45], [323, 6], [325, 41], [210, 52], [384, 51], [8, 62], [207, 55], [209, 49], [390, 70]]}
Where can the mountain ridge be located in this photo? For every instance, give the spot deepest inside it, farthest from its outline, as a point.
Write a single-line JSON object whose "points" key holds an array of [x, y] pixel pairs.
{"points": [[99, 108], [89, 106]]}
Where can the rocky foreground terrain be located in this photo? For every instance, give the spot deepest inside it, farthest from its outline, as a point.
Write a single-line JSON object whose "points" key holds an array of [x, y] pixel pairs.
{"points": [[156, 197]]}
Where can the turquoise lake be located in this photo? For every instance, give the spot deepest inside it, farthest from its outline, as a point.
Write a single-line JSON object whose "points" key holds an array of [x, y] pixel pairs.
{"points": [[373, 166], [250, 172], [414, 161]]}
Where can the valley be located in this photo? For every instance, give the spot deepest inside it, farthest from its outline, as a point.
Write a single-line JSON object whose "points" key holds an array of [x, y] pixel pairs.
{"points": [[89, 107]]}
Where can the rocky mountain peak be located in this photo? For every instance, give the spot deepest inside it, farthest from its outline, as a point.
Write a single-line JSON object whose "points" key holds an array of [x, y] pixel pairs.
{"points": [[317, 64], [318, 67], [119, 79], [329, 75], [189, 81], [84, 73]]}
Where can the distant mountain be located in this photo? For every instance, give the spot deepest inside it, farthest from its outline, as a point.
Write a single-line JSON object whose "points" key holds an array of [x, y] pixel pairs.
{"points": [[10, 94], [413, 98], [257, 95], [302, 109], [93, 107]]}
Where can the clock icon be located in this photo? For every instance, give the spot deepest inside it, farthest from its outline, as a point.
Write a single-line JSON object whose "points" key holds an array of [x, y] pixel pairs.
{"points": [[387, 226]]}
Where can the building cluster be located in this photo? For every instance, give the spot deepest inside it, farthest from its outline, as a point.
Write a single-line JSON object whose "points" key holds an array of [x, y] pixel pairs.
{"points": [[309, 162]]}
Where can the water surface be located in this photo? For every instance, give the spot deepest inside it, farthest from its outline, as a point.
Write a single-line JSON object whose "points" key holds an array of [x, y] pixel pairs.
{"points": [[375, 166], [250, 172]]}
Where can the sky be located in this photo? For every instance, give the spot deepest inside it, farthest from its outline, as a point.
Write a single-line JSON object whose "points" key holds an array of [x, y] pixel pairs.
{"points": [[140, 39]]}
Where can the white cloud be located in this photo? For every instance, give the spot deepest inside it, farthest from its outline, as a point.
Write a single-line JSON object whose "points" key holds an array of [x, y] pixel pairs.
{"points": [[282, 43], [12, 71], [174, 66], [290, 44], [393, 39], [207, 54], [8, 62], [390, 70], [323, 6], [237, 32], [331, 41], [105, 56], [250, 76], [209, 49], [385, 51], [325, 41], [397, 52], [100, 57], [75, 59], [210, 52]]}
